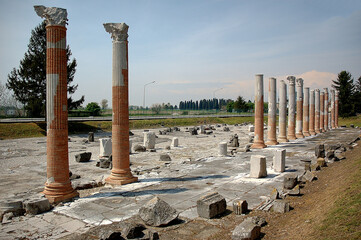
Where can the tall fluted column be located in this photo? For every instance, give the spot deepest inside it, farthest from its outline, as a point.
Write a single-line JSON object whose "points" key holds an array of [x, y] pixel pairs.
{"points": [[282, 137], [272, 109], [312, 113], [322, 111], [336, 109], [306, 111], [121, 173], [325, 114], [299, 116], [258, 114], [317, 110], [58, 186], [291, 108], [333, 109]]}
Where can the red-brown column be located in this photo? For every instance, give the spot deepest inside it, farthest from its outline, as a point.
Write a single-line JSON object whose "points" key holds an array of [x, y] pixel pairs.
{"points": [[336, 109], [325, 115], [120, 173], [322, 111], [291, 108], [258, 114], [312, 113], [58, 186], [306, 111], [317, 110], [272, 109], [299, 101], [333, 109]]}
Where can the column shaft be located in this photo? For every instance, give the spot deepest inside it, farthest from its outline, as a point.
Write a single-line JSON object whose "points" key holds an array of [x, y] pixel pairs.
{"points": [[322, 111], [312, 113], [291, 108], [299, 83], [336, 109], [333, 109], [258, 118], [282, 137], [317, 110], [325, 120], [272, 109], [306, 111]]}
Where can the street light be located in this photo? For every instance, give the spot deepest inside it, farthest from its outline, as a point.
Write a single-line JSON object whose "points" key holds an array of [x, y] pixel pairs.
{"points": [[144, 94], [214, 92]]}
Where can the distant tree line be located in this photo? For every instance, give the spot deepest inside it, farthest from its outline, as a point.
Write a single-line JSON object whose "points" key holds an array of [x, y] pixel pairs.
{"points": [[204, 104]]}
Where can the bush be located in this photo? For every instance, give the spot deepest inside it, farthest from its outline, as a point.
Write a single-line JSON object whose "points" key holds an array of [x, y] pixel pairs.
{"points": [[94, 108]]}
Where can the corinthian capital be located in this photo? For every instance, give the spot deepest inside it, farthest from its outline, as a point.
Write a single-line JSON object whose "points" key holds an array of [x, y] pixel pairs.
{"points": [[52, 15], [299, 82], [291, 80], [118, 31]]}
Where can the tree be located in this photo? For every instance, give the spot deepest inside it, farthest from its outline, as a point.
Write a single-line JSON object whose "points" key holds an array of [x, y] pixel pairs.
{"points": [[29, 81], [156, 108], [344, 85], [357, 96], [240, 104], [230, 106], [94, 108], [104, 104]]}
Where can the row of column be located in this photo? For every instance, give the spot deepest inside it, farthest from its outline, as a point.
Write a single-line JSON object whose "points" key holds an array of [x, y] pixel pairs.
{"points": [[58, 186], [308, 111]]}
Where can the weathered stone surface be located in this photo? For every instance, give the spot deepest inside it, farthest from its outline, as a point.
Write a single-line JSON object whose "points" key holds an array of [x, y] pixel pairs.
{"points": [[258, 166], [321, 162], [339, 155], [115, 236], [251, 128], [274, 194], [289, 181], [139, 148], [279, 160], [247, 230], [234, 141], [240, 206], [157, 212], [15, 207], [309, 176], [294, 191], [105, 162], [36, 205], [91, 136], [193, 131], [226, 129], [320, 151], [222, 149], [150, 235], [131, 230], [83, 157], [149, 140], [281, 206], [105, 147], [315, 167], [259, 221], [164, 157], [175, 142], [211, 205], [330, 154]]}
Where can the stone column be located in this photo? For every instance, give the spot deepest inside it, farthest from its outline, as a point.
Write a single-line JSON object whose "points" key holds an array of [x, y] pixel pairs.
{"points": [[312, 113], [325, 114], [306, 111], [121, 173], [58, 186], [291, 108], [282, 137], [272, 109], [317, 110], [258, 114], [336, 109], [333, 109], [299, 84], [322, 111]]}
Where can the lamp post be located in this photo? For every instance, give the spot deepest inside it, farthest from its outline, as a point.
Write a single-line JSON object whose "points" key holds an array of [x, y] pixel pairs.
{"points": [[144, 94]]}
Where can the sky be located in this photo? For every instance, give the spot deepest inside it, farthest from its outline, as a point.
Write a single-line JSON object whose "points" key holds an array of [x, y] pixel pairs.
{"points": [[196, 49]]}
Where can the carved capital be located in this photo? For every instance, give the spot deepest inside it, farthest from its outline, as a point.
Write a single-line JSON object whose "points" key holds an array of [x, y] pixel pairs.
{"points": [[52, 15], [118, 31], [291, 80], [325, 90], [317, 90], [299, 82]]}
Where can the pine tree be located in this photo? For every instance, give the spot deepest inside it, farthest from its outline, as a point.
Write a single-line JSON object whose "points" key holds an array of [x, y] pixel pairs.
{"points": [[344, 85], [357, 95], [29, 81]]}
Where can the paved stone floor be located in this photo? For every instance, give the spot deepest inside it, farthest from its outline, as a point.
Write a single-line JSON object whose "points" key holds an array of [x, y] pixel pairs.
{"points": [[195, 169]]}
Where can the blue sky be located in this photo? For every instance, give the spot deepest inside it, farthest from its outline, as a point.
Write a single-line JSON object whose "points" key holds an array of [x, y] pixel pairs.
{"points": [[193, 47]]}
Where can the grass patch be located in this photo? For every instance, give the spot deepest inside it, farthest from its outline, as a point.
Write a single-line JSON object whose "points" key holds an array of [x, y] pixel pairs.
{"points": [[22, 130], [356, 120]]}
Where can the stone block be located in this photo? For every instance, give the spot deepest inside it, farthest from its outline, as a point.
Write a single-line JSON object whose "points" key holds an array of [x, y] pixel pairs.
{"points": [[320, 151], [202, 129], [157, 212], [149, 140], [309, 176], [289, 181], [105, 147], [174, 142], [258, 166], [279, 160], [321, 162], [315, 167], [131, 230], [247, 230], [222, 149], [36, 205], [251, 128], [91, 136], [240, 206], [83, 157], [10, 206], [226, 129], [139, 148], [165, 157], [281, 206], [274, 194], [211, 205], [105, 162]]}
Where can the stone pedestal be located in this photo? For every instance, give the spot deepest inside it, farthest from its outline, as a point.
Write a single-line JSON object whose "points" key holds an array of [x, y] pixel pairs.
{"points": [[258, 116], [272, 111], [149, 140], [325, 113], [306, 111], [317, 110], [258, 166], [312, 113], [322, 111], [282, 112], [120, 173], [291, 108], [105, 147], [222, 149], [58, 186], [299, 118], [279, 160], [336, 109], [211, 205], [174, 142], [333, 126]]}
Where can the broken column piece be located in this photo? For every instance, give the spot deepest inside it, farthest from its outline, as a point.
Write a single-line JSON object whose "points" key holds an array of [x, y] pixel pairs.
{"points": [[222, 148], [258, 166], [279, 160], [174, 142], [149, 140]]}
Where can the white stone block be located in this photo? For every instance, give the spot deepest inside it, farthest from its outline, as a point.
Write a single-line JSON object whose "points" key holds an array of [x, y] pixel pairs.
{"points": [[251, 128], [149, 140], [105, 147], [174, 142], [223, 148], [258, 166], [279, 160]]}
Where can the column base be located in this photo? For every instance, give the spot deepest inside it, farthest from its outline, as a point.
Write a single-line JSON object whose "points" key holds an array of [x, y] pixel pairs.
{"points": [[120, 179], [271, 142], [56, 193], [282, 140], [313, 132], [299, 135], [258, 145], [306, 134], [291, 137]]}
